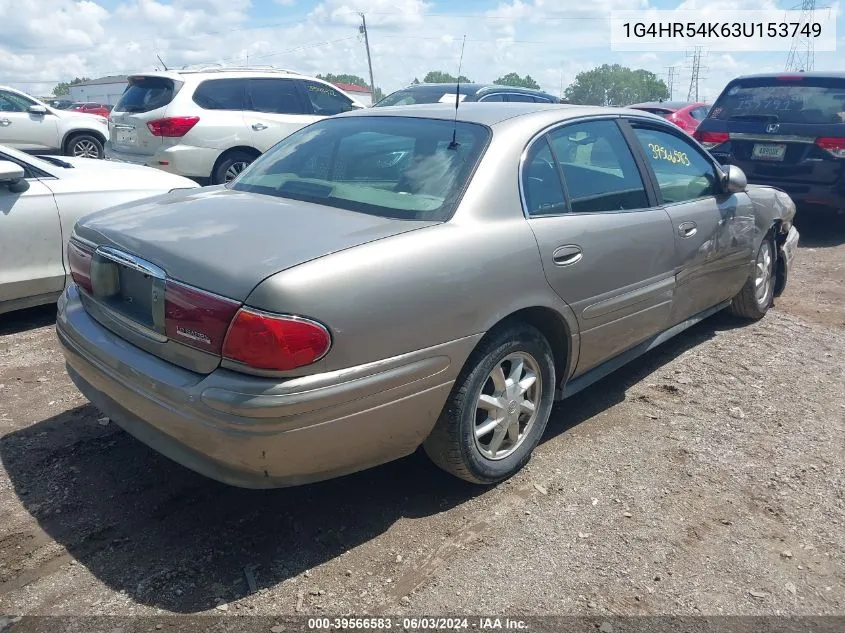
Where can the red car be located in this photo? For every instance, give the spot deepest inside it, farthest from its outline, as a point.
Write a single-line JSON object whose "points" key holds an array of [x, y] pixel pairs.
{"points": [[100, 109], [685, 115]]}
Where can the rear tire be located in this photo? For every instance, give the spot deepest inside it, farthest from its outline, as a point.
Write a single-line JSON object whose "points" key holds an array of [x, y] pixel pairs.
{"points": [[231, 165], [755, 298], [498, 408], [84, 146]]}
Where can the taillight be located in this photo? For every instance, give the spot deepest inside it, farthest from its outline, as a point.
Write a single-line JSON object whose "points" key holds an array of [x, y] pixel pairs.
{"points": [[174, 126], [266, 341], [197, 318], [79, 262], [711, 139], [834, 145]]}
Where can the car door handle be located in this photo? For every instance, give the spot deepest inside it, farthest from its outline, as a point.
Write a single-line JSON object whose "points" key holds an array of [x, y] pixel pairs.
{"points": [[687, 229], [5, 122], [567, 255], [258, 127]]}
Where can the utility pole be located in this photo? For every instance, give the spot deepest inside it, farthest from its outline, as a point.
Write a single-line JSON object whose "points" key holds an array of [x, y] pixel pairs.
{"points": [[363, 29], [671, 82], [695, 75], [801, 54]]}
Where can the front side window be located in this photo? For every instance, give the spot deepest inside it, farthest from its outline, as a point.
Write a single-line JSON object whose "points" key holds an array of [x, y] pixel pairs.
{"points": [[598, 167], [221, 94], [395, 167], [325, 100], [496, 98], [274, 96], [519, 98], [12, 102], [682, 173]]}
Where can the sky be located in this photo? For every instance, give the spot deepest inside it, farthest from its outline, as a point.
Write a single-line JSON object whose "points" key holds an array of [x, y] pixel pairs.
{"points": [[43, 42]]}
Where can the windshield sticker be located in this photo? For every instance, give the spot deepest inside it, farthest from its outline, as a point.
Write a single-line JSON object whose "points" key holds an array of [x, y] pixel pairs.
{"points": [[676, 157], [450, 98]]}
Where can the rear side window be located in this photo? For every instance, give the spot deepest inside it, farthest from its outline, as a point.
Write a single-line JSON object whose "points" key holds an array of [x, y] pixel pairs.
{"points": [[326, 101], [146, 93], [274, 96], [221, 94], [812, 100], [515, 97], [598, 167], [541, 182]]}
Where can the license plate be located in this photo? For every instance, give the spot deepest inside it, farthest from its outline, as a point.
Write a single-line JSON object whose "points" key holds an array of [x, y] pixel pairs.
{"points": [[767, 151], [125, 137]]}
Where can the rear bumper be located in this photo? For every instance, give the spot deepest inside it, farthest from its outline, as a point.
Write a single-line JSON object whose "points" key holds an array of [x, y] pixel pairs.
{"points": [[258, 432], [182, 160]]}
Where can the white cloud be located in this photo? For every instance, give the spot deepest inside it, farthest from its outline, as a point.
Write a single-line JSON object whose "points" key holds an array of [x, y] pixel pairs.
{"points": [[547, 39]]}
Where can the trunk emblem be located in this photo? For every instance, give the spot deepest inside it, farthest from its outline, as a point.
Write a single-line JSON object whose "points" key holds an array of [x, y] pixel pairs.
{"points": [[771, 128]]}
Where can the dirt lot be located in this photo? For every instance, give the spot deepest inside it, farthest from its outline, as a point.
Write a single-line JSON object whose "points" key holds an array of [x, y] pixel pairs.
{"points": [[708, 477]]}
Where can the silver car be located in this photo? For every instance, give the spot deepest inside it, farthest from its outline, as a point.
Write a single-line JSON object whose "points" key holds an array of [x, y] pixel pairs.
{"points": [[398, 277]]}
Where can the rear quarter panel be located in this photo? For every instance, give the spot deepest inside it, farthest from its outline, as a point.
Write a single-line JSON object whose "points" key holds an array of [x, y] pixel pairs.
{"points": [[414, 290]]}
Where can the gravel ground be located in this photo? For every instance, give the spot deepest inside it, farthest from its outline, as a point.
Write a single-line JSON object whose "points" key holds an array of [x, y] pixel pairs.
{"points": [[704, 478]]}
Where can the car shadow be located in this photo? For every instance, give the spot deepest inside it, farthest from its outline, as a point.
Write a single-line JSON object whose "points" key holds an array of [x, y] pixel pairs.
{"points": [[27, 319], [819, 230], [175, 540]]}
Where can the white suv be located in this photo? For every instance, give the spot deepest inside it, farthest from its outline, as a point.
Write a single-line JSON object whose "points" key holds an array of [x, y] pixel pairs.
{"points": [[209, 124], [32, 126]]}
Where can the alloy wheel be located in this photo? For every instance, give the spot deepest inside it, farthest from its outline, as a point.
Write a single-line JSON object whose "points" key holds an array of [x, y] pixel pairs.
{"points": [[506, 408]]}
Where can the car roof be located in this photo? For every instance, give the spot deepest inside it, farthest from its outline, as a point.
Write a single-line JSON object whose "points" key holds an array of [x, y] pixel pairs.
{"points": [[491, 114], [665, 105], [817, 74], [182, 74], [472, 88]]}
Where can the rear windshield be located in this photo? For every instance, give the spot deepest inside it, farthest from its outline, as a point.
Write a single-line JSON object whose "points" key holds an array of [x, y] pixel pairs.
{"points": [[794, 100], [394, 167], [440, 94], [146, 93]]}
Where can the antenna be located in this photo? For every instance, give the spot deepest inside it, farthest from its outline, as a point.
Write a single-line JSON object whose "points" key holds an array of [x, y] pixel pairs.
{"points": [[454, 143], [162, 61]]}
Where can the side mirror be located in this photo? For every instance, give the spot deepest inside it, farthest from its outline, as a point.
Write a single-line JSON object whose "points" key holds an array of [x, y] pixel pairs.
{"points": [[38, 109], [12, 176], [735, 180]]}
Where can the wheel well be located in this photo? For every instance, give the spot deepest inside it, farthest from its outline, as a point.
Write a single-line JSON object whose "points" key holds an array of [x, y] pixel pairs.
{"points": [[74, 133], [553, 326], [240, 148]]}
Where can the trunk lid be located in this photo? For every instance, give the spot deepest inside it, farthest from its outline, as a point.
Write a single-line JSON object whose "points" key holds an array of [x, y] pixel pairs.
{"points": [[146, 99], [225, 241]]}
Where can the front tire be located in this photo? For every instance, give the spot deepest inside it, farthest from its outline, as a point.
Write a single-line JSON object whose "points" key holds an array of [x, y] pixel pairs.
{"points": [[756, 296], [85, 146], [498, 408]]}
